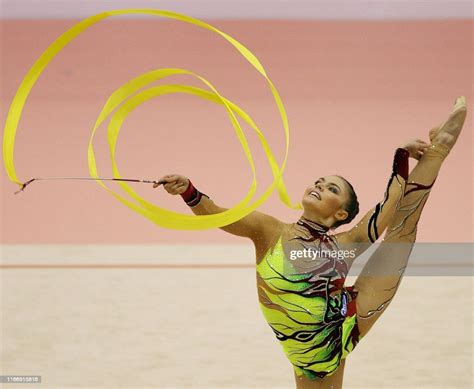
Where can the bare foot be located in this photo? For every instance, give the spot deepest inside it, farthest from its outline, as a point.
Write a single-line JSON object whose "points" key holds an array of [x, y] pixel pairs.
{"points": [[449, 131]]}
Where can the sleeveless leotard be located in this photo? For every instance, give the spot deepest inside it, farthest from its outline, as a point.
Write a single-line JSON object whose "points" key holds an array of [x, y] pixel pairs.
{"points": [[310, 311]]}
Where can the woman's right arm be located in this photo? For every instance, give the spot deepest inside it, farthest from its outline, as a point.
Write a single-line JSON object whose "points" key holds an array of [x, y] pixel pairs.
{"points": [[257, 226]]}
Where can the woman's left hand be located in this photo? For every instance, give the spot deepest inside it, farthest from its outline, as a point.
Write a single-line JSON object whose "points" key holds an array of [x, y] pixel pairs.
{"points": [[416, 148]]}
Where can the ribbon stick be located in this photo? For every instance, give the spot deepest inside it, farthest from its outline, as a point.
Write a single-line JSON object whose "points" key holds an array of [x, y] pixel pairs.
{"points": [[86, 178], [132, 94]]}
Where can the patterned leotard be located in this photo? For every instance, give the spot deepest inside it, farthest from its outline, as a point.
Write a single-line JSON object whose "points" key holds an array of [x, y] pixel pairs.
{"points": [[307, 306], [305, 301]]}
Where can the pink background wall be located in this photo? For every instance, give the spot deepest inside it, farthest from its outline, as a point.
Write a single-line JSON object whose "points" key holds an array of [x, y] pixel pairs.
{"points": [[353, 91]]}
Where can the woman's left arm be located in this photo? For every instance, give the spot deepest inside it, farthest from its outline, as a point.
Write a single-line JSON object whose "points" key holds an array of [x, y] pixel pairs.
{"points": [[372, 225]]}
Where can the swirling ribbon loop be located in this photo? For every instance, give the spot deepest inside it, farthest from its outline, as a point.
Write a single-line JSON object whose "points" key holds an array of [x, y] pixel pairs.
{"points": [[132, 91]]}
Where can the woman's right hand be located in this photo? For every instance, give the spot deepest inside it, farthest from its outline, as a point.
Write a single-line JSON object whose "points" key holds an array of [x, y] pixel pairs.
{"points": [[416, 148], [173, 183]]}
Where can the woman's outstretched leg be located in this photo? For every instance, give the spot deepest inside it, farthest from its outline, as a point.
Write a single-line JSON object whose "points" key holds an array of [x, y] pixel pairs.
{"points": [[381, 276]]}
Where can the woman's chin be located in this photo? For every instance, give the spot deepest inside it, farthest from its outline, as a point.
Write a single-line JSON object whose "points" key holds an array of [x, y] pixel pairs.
{"points": [[305, 202], [309, 204]]}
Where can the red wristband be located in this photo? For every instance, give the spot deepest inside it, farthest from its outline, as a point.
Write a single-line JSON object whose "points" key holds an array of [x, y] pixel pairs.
{"points": [[400, 163], [191, 195]]}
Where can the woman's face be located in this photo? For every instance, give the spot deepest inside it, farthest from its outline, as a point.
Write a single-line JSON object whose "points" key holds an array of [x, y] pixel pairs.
{"points": [[325, 198]]}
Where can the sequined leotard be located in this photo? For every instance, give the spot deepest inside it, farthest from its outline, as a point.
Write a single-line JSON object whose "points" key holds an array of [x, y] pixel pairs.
{"points": [[304, 299], [307, 306]]}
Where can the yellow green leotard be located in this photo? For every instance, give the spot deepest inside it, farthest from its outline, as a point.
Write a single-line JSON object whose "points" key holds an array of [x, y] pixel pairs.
{"points": [[311, 313]]}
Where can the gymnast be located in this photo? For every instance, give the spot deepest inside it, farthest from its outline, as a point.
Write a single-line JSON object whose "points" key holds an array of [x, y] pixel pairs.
{"points": [[301, 267]]}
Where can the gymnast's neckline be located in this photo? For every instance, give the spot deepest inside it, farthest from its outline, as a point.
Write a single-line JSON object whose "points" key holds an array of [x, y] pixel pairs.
{"points": [[312, 226]]}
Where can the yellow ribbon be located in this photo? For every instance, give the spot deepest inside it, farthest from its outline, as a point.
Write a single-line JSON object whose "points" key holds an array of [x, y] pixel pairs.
{"points": [[132, 91]]}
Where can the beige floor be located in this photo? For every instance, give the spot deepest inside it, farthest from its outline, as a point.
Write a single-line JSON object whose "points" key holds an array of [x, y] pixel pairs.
{"points": [[201, 328]]}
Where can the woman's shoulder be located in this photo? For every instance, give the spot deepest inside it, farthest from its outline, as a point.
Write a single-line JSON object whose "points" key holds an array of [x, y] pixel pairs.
{"points": [[270, 237]]}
